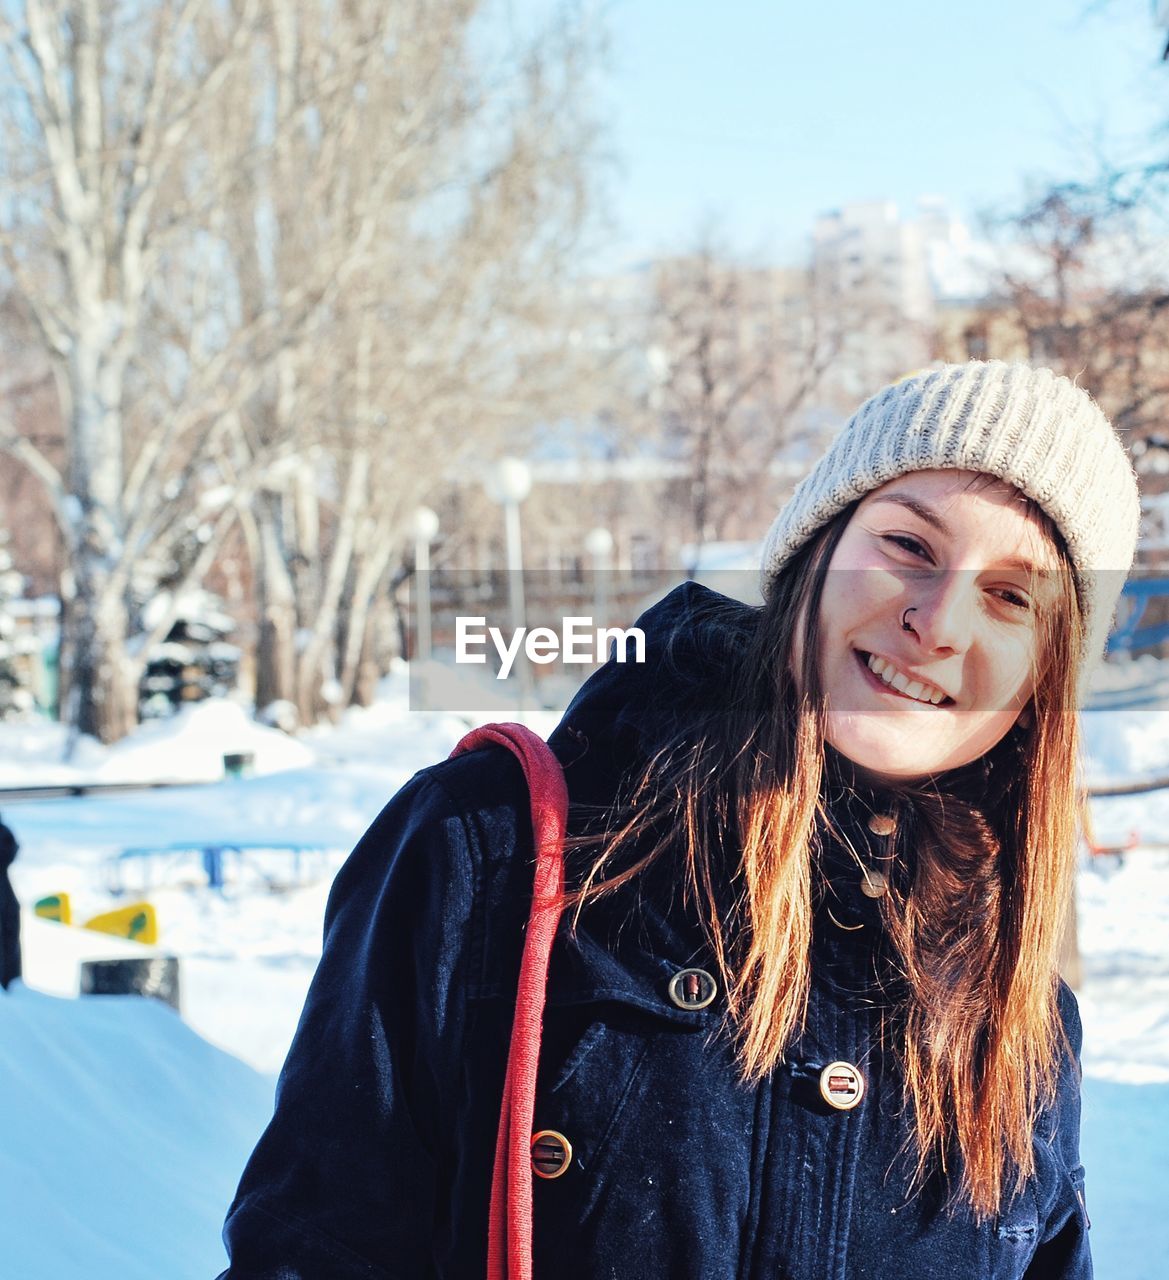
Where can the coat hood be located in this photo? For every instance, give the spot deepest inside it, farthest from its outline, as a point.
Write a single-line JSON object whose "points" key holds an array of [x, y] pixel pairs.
{"points": [[627, 710]]}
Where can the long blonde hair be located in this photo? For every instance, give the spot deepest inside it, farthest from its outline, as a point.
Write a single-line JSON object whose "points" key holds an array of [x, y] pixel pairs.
{"points": [[738, 793]]}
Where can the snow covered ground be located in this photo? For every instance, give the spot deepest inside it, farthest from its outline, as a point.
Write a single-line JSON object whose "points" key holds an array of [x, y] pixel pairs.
{"points": [[123, 1135], [126, 1127]]}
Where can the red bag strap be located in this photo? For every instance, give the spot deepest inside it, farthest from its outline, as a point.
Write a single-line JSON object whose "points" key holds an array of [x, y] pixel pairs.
{"points": [[509, 1231]]}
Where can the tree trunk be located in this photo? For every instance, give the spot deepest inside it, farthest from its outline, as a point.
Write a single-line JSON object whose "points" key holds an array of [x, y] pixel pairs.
{"points": [[102, 698], [366, 673], [388, 629], [362, 615], [276, 646], [317, 662], [102, 695], [305, 562]]}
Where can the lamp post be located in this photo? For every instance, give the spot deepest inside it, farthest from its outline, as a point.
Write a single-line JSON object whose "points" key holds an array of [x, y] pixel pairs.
{"points": [[599, 544], [508, 483], [425, 527]]}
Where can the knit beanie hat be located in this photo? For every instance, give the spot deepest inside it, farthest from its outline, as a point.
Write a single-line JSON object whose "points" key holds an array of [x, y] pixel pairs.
{"points": [[1029, 427]]}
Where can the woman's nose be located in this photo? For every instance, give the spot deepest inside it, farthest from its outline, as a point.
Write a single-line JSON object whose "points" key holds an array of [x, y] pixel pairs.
{"points": [[944, 611]]}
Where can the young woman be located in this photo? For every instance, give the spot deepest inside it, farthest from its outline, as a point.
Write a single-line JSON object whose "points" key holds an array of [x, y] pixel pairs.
{"points": [[803, 1015]]}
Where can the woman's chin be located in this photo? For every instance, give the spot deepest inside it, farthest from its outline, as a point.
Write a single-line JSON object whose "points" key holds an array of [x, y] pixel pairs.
{"points": [[886, 753]]}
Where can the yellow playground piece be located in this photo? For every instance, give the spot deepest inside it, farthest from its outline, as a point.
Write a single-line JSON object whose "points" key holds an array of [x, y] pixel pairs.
{"points": [[138, 922], [54, 906]]}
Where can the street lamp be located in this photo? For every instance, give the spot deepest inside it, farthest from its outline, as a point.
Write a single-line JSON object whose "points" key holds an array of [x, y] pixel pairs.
{"points": [[599, 544], [508, 483], [425, 528]]}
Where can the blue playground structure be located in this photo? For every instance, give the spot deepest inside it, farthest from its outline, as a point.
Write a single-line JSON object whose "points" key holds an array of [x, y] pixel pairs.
{"points": [[1129, 634], [279, 864]]}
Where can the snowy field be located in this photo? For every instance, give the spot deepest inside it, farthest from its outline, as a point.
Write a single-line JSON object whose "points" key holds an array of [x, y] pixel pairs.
{"points": [[126, 1127]]}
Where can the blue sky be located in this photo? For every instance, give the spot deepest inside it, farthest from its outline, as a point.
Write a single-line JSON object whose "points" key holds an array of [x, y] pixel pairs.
{"points": [[760, 115]]}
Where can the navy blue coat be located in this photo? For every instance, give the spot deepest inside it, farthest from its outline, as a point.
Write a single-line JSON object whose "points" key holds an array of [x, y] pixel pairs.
{"points": [[377, 1162]]}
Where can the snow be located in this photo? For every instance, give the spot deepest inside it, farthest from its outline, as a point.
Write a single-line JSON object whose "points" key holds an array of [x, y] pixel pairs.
{"points": [[55, 952], [1125, 942], [1128, 721], [189, 747], [126, 1127], [124, 1134]]}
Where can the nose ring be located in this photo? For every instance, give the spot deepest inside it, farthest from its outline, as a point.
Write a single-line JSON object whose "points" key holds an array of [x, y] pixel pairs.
{"points": [[905, 624]]}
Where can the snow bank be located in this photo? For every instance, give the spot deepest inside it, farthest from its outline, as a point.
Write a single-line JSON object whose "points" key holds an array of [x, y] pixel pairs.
{"points": [[190, 746], [1126, 721], [32, 753], [186, 748], [195, 741], [1122, 1141], [1126, 744], [124, 1137], [386, 730], [1124, 941]]}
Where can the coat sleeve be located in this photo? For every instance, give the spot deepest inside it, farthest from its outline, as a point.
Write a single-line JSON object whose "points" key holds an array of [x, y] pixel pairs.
{"points": [[1064, 1252], [345, 1181]]}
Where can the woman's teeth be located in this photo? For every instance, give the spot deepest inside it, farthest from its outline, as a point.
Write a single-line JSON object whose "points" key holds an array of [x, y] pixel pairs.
{"points": [[918, 690]]}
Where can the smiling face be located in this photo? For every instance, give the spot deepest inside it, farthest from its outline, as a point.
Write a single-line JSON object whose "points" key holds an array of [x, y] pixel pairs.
{"points": [[916, 693]]}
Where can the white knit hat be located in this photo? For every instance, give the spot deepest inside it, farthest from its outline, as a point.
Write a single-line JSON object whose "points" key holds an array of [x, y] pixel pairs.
{"points": [[1029, 427]]}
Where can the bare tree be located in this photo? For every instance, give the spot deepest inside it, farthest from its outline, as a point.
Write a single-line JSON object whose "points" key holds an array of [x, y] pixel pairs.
{"points": [[255, 240], [737, 353], [452, 334], [102, 105], [1085, 289]]}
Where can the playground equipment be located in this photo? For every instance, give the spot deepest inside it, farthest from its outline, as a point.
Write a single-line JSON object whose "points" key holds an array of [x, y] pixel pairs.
{"points": [[113, 953], [1129, 634], [1111, 849], [54, 906], [137, 921], [274, 864]]}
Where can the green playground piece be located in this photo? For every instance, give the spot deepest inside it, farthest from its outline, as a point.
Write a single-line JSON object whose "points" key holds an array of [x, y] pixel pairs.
{"points": [[138, 921], [54, 906]]}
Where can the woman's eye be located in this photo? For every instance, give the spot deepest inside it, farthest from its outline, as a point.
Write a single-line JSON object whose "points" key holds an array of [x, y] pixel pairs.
{"points": [[906, 543], [1016, 599]]}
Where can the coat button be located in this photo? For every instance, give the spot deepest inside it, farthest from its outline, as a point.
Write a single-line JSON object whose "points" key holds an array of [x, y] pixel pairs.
{"points": [[551, 1154], [692, 989], [874, 884], [841, 1085], [882, 824]]}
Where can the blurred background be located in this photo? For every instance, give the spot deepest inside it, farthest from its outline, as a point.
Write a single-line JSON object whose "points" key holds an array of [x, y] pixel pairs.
{"points": [[321, 321]]}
